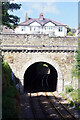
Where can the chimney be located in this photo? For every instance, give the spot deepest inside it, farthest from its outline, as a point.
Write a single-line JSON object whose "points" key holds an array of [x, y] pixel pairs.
{"points": [[41, 16], [26, 17]]}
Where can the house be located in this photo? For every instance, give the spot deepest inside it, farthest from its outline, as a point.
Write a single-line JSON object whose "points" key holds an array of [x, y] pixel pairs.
{"points": [[41, 25]]}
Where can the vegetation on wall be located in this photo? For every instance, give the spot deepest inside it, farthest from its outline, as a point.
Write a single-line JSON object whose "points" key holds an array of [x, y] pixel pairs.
{"points": [[9, 94], [76, 65], [68, 88], [75, 93]]}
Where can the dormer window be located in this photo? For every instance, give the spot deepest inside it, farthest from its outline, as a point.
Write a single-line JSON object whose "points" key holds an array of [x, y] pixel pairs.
{"points": [[49, 28], [60, 29], [34, 28]]}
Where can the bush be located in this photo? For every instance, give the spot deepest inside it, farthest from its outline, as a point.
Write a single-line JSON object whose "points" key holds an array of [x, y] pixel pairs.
{"points": [[9, 94], [68, 88], [75, 94], [6, 76], [70, 34]]}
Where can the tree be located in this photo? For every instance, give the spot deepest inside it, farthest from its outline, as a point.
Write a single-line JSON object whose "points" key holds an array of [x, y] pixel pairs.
{"points": [[10, 20], [68, 29], [79, 27], [69, 32]]}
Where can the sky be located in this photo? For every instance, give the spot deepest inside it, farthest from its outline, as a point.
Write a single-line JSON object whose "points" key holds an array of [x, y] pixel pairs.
{"points": [[63, 12]]}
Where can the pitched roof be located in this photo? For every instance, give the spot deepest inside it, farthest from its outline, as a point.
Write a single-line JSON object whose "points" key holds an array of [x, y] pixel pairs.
{"points": [[42, 22]]}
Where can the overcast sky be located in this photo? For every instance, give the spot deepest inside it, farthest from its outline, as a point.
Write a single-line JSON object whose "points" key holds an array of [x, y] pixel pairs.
{"points": [[64, 12]]}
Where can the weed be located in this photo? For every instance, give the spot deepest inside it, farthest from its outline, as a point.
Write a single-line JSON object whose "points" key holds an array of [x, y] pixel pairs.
{"points": [[68, 88]]}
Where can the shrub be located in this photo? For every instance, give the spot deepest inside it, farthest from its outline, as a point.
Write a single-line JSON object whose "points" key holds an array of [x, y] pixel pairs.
{"points": [[68, 88], [6, 76], [70, 34], [9, 94]]}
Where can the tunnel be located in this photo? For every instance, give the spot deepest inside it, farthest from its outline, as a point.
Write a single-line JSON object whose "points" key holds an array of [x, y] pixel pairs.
{"points": [[40, 77]]}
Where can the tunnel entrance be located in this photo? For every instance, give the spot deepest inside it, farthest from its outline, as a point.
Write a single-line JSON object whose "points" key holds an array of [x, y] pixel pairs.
{"points": [[40, 77]]}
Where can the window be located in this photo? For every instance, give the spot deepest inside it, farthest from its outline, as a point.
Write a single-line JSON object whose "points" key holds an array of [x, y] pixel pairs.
{"points": [[60, 29], [23, 28], [30, 28], [37, 28], [34, 28], [49, 28], [46, 28]]}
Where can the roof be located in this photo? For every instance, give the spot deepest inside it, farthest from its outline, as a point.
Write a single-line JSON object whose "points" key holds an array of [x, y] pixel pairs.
{"points": [[41, 21]]}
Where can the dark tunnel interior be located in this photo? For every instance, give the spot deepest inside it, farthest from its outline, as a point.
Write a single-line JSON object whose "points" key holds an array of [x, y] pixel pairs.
{"points": [[40, 77]]}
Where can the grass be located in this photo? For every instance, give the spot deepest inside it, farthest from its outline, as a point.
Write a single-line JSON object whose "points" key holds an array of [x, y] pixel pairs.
{"points": [[68, 88], [8, 103], [9, 94], [74, 94]]}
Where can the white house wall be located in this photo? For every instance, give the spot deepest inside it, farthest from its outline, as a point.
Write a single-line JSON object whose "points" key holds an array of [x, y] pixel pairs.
{"points": [[35, 24], [48, 31], [30, 29], [49, 24], [27, 30], [60, 33], [18, 29]]}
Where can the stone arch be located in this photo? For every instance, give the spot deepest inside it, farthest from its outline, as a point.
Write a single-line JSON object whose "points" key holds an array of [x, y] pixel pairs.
{"points": [[47, 60]]}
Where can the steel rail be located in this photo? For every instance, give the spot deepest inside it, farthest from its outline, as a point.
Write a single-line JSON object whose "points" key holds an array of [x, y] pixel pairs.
{"points": [[60, 114], [49, 100], [54, 106], [73, 117], [61, 105], [64, 107]]}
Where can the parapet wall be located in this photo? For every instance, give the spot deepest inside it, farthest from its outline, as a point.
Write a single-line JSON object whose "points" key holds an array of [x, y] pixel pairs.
{"points": [[22, 39]]}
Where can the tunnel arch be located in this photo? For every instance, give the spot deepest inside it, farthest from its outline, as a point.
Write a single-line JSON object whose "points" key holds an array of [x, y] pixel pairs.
{"points": [[46, 60], [40, 77]]}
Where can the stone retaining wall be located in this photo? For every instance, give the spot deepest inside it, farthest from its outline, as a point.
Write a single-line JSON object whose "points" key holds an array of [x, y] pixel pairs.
{"points": [[20, 39]]}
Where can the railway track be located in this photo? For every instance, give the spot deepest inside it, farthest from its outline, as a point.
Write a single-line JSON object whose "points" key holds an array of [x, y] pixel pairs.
{"points": [[63, 106], [50, 113], [41, 108], [60, 108], [46, 106]]}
